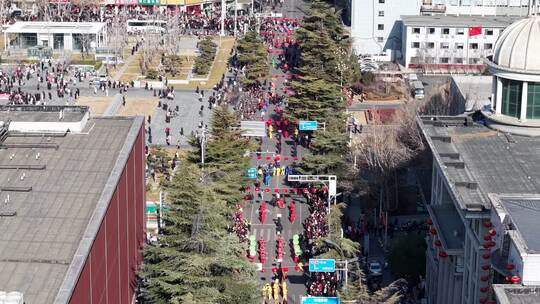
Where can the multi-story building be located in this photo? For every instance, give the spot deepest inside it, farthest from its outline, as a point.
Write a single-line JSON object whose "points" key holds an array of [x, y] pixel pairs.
{"points": [[375, 26], [478, 7], [483, 242], [443, 42], [72, 214]]}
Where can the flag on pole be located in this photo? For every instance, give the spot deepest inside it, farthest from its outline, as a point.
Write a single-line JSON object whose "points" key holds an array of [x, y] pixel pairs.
{"points": [[475, 30]]}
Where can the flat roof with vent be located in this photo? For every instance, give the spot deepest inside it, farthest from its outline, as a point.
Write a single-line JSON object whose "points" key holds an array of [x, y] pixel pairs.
{"points": [[477, 160], [48, 195], [41, 27], [459, 21]]}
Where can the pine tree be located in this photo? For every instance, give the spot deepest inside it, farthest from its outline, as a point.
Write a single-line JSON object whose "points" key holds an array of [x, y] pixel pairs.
{"points": [[253, 56], [197, 260]]}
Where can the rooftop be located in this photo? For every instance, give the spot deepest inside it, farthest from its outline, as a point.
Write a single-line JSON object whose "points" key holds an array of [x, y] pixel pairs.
{"points": [[475, 89], [459, 21], [477, 160], [517, 294], [524, 214], [41, 27], [51, 186]]}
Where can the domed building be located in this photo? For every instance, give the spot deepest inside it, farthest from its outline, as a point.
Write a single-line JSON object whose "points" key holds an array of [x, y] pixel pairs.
{"points": [[515, 66]]}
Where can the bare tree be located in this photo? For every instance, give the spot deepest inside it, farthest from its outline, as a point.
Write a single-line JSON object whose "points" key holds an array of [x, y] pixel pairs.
{"points": [[383, 149]]}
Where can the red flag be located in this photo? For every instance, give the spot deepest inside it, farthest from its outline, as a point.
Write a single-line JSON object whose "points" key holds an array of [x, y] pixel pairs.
{"points": [[475, 30]]}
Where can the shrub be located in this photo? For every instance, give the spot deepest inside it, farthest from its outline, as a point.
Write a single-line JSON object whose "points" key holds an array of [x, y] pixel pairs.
{"points": [[151, 74], [368, 78], [207, 50]]}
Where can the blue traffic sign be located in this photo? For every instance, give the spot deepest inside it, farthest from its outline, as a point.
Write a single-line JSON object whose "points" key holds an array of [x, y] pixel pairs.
{"points": [[307, 125], [322, 265], [252, 173], [320, 300]]}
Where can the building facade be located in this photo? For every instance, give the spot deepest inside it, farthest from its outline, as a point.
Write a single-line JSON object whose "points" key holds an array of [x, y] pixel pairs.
{"points": [[483, 243], [478, 7], [110, 252], [445, 42], [375, 26], [73, 218]]}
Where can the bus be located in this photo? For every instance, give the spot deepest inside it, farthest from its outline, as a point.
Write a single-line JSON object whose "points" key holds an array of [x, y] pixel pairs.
{"points": [[417, 89], [146, 26]]}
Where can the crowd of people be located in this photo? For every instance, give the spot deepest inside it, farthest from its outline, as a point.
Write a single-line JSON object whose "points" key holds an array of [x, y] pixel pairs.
{"points": [[240, 225], [316, 224], [323, 284]]}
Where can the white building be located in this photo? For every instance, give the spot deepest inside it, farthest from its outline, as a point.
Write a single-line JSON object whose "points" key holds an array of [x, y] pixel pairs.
{"points": [[56, 35], [375, 26], [478, 7], [484, 242], [448, 42]]}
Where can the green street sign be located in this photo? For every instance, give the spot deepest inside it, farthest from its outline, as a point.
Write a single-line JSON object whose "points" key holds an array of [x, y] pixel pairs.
{"points": [[148, 2]]}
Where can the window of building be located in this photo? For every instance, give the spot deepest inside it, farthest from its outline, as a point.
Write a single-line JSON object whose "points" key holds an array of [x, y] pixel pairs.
{"points": [[489, 32], [458, 60], [473, 46], [459, 46], [474, 60], [533, 100], [446, 31], [460, 31], [431, 30], [444, 60], [416, 30], [488, 46], [380, 27], [380, 39], [381, 13], [415, 45], [511, 97], [445, 45], [430, 45], [381, 1]]}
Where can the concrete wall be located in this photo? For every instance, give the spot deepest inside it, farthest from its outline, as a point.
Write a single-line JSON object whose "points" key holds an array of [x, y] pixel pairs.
{"points": [[365, 20], [108, 275]]}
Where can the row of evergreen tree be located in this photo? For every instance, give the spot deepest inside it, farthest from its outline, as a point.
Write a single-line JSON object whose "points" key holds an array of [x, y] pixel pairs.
{"points": [[327, 64], [197, 259]]}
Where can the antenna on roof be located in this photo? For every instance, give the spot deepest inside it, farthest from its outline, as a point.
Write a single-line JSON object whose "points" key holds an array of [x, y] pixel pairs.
{"points": [[23, 176], [11, 156], [37, 156]]}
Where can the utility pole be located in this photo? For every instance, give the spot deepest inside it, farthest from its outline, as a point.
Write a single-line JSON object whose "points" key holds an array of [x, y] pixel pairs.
{"points": [[223, 15], [202, 141], [235, 15]]}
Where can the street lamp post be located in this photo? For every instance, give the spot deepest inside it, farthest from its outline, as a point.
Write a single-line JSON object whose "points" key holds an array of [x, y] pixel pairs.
{"points": [[235, 15], [202, 141], [223, 15]]}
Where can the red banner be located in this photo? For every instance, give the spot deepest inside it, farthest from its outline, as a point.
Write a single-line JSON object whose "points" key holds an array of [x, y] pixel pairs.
{"points": [[475, 30]]}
